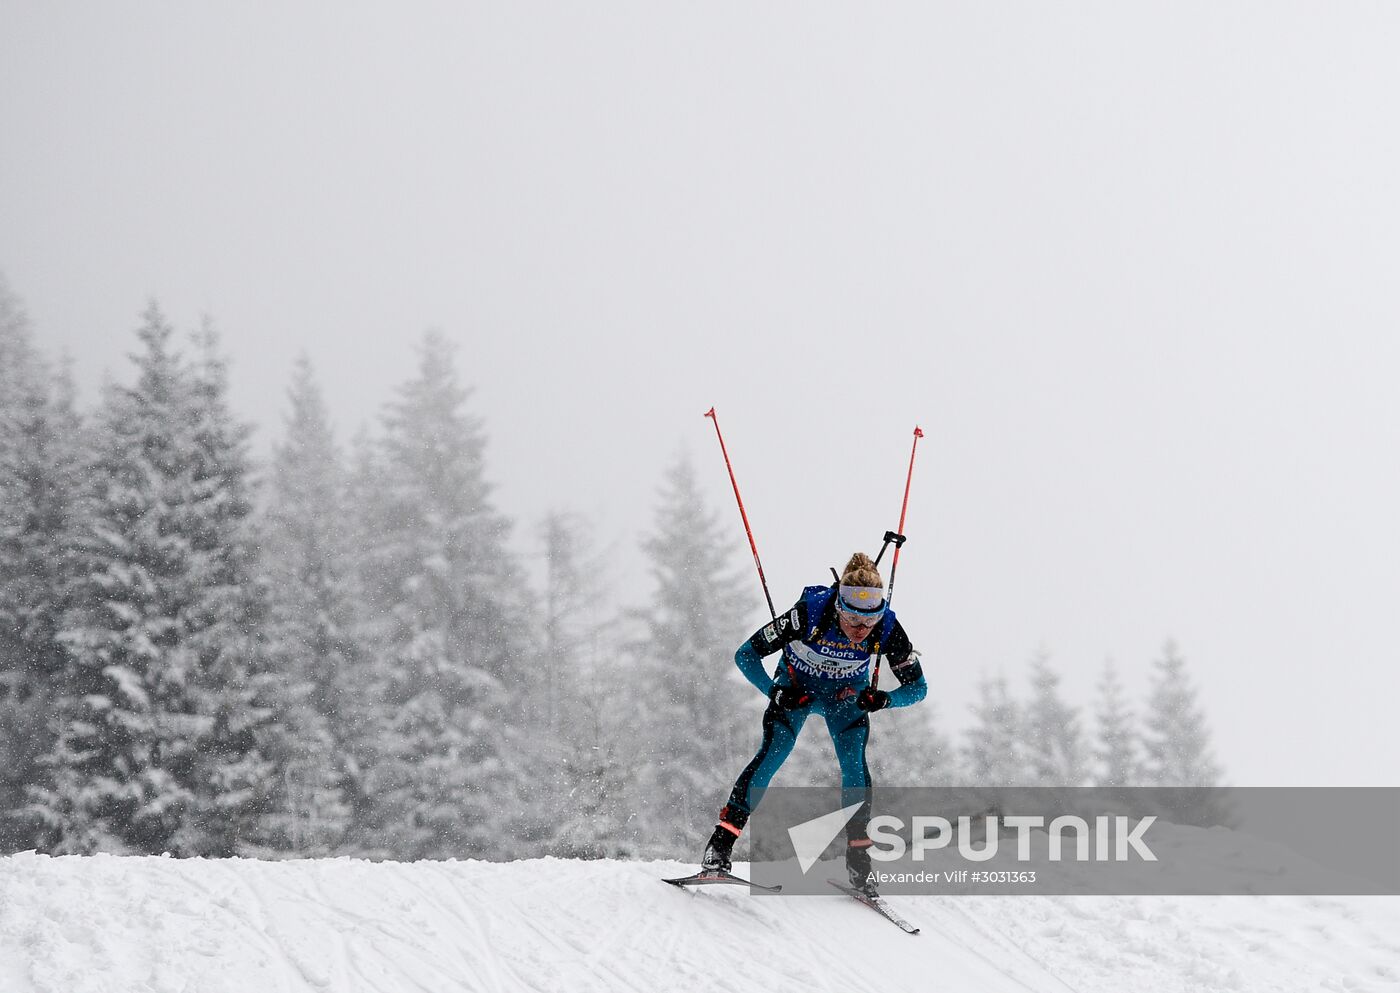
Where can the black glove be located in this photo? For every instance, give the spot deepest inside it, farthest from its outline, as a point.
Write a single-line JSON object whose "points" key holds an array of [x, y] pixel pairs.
{"points": [[789, 697], [868, 699]]}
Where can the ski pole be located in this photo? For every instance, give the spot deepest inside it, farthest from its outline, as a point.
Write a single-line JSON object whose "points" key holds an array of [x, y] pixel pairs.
{"points": [[792, 673], [898, 539], [743, 514]]}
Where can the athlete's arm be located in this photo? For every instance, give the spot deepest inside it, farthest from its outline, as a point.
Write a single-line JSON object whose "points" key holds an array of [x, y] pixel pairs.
{"points": [[770, 638], [904, 663]]}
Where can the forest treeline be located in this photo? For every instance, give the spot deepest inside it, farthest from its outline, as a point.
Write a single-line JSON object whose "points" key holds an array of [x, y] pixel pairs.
{"points": [[340, 650]]}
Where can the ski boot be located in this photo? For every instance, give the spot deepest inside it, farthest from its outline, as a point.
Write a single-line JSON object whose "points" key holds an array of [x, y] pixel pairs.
{"points": [[858, 867], [718, 851]]}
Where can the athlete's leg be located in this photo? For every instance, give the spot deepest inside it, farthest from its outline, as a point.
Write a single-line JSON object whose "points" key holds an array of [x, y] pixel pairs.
{"points": [[849, 727], [780, 729], [850, 732]]}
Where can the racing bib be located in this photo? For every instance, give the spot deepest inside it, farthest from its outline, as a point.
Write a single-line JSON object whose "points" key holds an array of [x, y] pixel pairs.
{"points": [[828, 659]]}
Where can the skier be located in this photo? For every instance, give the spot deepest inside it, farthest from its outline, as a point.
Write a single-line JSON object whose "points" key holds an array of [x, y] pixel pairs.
{"points": [[828, 640]]}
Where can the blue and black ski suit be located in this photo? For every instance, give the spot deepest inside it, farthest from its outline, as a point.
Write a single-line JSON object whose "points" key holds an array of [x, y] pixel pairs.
{"points": [[824, 663]]}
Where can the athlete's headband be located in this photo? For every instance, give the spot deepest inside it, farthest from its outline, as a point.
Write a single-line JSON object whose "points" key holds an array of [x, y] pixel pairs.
{"points": [[865, 602]]}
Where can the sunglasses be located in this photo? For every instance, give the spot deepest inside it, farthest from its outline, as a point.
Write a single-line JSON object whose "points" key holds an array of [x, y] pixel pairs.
{"points": [[860, 618]]}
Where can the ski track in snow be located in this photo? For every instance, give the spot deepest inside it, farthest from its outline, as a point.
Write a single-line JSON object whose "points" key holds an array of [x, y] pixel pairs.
{"points": [[159, 925]]}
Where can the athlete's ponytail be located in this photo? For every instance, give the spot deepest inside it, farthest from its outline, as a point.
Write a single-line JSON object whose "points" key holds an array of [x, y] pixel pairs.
{"points": [[861, 571]]}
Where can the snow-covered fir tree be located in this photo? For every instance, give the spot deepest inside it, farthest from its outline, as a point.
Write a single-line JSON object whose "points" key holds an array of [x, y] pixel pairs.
{"points": [[1177, 744], [594, 818], [308, 561], [994, 747], [1054, 741], [1177, 740], [1116, 754], [572, 607], [689, 697], [233, 689], [39, 501], [582, 799], [159, 699], [453, 625], [546, 687]]}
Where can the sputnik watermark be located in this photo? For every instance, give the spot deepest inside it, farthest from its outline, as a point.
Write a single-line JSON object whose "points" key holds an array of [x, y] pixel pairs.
{"points": [[810, 838], [1081, 840], [1112, 839]]}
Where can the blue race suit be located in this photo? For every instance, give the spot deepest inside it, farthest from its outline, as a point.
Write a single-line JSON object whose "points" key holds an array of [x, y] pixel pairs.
{"points": [[820, 660]]}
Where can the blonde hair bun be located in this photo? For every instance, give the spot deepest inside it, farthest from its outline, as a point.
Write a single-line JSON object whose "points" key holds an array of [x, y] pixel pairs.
{"points": [[861, 571]]}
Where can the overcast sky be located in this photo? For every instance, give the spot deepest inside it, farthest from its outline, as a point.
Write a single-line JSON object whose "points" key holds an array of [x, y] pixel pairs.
{"points": [[1131, 267]]}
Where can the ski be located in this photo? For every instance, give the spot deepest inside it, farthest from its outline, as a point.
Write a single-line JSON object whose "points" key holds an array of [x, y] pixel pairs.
{"points": [[878, 905], [711, 877]]}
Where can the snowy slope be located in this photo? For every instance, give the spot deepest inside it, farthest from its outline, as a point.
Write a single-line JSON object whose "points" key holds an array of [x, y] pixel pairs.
{"points": [[84, 925]]}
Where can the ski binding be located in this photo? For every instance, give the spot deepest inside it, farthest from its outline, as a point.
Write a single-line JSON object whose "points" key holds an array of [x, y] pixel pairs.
{"points": [[877, 904]]}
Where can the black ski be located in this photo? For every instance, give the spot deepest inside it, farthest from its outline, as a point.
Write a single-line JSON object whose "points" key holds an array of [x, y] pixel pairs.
{"points": [[877, 904], [711, 877]]}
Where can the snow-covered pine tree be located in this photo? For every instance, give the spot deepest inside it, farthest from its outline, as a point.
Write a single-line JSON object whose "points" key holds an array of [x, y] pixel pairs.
{"points": [[39, 489], [582, 802], [233, 688], [1054, 741], [1177, 743], [367, 510], [454, 621], [689, 699], [594, 817], [110, 785], [159, 697], [1116, 755], [571, 610], [549, 685], [994, 749], [309, 567]]}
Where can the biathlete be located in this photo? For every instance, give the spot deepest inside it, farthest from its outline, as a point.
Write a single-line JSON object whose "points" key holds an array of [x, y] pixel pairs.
{"points": [[828, 640]]}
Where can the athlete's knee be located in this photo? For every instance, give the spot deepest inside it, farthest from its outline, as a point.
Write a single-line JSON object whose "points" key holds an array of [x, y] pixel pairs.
{"points": [[734, 817]]}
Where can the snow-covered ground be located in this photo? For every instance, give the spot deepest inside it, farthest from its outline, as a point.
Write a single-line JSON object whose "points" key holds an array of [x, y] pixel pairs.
{"points": [[106, 924]]}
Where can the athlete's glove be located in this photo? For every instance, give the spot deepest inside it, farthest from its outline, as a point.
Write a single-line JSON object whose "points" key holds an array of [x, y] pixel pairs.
{"points": [[789, 697], [869, 700]]}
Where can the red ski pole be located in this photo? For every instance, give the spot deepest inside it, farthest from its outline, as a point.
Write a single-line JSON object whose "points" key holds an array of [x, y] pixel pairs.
{"points": [[743, 514], [792, 673], [904, 509]]}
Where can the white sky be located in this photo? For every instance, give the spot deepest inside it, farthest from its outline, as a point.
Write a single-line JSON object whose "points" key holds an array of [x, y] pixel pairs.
{"points": [[1131, 267]]}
